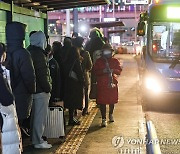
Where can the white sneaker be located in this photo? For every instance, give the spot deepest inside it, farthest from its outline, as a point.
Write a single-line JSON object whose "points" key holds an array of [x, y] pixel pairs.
{"points": [[104, 123], [43, 145]]}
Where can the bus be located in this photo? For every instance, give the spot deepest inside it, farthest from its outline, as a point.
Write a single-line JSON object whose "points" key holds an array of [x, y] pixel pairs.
{"points": [[159, 27]]}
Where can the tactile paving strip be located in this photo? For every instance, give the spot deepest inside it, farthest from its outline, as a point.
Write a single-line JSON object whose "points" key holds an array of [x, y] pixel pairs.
{"points": [[77, 133]]}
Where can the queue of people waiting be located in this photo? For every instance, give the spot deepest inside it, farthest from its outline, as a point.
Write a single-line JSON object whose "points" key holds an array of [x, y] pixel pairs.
{"points": [[41, 75]]}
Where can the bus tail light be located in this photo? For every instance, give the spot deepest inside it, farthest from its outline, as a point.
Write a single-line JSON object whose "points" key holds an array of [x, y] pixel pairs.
{"points": [[157, 1]]}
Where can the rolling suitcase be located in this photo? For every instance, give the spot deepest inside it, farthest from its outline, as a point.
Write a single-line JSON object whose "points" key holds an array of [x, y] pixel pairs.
{"points": [[54, 127]]}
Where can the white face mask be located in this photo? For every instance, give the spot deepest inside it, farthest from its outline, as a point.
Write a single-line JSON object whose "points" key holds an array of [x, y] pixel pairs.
{"points": [[106, 52]]}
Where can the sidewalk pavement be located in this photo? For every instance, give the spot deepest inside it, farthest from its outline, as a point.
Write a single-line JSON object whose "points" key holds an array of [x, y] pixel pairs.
{"points": [[123, 136]]}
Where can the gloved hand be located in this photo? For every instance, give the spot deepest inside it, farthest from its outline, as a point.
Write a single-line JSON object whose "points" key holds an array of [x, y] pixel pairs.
{"points": [[112, 70], [106, 70], [6, 110]]}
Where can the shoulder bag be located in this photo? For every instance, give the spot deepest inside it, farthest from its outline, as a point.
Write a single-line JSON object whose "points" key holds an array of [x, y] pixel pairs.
{"points": [[73, 74]]}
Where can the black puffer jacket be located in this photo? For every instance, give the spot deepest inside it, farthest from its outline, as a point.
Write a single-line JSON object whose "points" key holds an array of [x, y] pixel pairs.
{"points": [[6, 97], [22, 72], [56, 80], [43, 79]]}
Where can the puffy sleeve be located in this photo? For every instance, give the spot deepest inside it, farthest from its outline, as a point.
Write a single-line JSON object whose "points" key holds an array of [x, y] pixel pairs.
{"points": [[117, 68], [98, 67], [43, 73], [27, 71], [89, 62], [6, 97]]}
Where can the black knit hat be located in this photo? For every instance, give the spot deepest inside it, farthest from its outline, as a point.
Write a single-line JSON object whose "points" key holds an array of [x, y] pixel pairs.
{"points": [[78, 41], [107, 46]]}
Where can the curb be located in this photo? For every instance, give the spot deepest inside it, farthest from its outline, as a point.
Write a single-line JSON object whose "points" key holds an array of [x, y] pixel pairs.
{"points": [[152, 146]]}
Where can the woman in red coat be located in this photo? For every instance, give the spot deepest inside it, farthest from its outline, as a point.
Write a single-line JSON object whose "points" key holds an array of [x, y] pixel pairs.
{"points": [[106, 70]]}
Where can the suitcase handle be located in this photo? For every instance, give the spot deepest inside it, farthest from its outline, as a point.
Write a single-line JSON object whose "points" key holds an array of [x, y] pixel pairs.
{"points": [[60, 108]]}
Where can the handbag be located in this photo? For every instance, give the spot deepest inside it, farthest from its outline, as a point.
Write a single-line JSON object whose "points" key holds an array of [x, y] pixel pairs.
{"points": [[73, 74]]}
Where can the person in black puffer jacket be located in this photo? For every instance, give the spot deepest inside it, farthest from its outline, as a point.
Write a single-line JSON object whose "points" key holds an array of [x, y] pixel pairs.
{"points": [[55, 76], [43, 83], [23, 79], [6, 97]]}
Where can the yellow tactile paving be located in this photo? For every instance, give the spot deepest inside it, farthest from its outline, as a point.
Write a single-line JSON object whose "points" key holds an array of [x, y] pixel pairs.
{"points": [[77, 134]]}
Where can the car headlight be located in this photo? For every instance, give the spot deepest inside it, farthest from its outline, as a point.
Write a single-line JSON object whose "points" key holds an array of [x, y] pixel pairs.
{"points": [[152, 84]]}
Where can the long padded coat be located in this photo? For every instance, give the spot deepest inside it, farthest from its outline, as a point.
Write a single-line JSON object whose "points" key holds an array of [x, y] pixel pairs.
{"points": [[73, 90], [106, 95], [23, 79]]}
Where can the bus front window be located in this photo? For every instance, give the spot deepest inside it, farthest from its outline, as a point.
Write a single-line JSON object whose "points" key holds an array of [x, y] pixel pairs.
{"points": [[165, 39]]}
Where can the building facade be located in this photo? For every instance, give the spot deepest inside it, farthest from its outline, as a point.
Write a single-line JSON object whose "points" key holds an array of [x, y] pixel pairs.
{"points": [[127, 13]]}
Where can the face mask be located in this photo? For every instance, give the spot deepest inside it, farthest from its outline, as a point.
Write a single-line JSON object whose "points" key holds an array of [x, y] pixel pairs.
{"points": [[106, 52]]}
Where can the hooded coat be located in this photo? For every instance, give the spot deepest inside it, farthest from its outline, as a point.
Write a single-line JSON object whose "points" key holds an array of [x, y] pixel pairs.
{"points": [[105, 94], [37, 50], [95, 43], [22, 72]]}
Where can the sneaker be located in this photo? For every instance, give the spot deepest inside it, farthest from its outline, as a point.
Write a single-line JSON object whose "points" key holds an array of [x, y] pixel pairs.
{"points": [[25, 132], [75, 113], [43, 145], [111, 119], [104, 123], [85, 112]]}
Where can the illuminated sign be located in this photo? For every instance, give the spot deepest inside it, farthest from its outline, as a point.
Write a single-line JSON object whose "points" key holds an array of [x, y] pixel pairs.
{"points": [[115, 39], [109, 19], [173, 12], [136, 1]]}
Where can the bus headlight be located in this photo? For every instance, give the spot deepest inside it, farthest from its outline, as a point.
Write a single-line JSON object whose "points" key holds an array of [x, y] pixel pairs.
{"points": [[152, 84]]}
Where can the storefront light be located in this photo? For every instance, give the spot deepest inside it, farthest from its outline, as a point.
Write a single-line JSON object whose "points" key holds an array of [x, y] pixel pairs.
{"points": [[173, 12]]}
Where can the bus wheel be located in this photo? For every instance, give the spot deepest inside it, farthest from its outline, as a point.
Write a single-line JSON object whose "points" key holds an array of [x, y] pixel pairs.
{"points": [[146, 104]]}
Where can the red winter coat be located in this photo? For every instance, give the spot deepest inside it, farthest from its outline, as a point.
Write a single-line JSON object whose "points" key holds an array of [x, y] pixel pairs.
{"points": [[106, 95]]}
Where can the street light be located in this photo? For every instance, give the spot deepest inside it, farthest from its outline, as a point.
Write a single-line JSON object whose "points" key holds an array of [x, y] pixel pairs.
{"points": [[83, 28]]}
